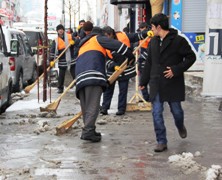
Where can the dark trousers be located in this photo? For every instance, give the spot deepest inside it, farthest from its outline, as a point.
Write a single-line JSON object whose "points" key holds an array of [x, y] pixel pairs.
{"points": [[62, 73], [122, 98], [90, 102]]}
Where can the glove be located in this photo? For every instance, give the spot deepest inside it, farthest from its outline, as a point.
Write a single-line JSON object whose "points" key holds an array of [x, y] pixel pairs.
{"points": [[117, 68], [78, 28], [72, 42], [150, 34], [52, 63]]}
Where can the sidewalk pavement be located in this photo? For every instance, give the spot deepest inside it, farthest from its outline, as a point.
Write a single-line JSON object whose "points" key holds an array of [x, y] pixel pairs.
{"points": [[30, 149]]}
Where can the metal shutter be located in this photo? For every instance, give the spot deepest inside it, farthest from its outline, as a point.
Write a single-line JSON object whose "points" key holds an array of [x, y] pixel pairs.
{"points": [[194, 15]]}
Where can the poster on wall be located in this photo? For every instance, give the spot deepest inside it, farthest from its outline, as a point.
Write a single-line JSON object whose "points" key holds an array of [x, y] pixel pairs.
{"points": [[195, 39], [212, 85]]}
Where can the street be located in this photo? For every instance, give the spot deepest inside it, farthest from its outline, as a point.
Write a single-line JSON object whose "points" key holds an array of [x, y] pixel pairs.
{"points": [[30, 149]]}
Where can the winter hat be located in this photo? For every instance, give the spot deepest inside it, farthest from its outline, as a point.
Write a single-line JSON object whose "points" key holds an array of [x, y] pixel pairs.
{"points": [[60, 26]]}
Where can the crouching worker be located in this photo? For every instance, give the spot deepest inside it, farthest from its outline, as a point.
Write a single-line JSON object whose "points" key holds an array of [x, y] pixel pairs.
{"points": [[91, 78]]}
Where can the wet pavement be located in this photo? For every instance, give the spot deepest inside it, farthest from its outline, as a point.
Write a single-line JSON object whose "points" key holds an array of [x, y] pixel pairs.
{"points": [[29, 148]]}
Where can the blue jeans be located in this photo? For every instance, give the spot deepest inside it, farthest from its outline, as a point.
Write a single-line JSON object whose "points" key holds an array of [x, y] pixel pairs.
{"points": [[157, 112]]}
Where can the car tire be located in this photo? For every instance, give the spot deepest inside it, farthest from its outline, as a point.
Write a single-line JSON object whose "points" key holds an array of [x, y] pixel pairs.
{"points": [[9, 100]]}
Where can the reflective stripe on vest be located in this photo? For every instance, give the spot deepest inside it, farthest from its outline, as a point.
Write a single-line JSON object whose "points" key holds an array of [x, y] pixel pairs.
{"points": [[61, 42], [91, 45]]}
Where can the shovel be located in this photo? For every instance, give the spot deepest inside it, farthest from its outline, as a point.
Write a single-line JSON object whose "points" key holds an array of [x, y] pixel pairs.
{"points": [[30, 87]]}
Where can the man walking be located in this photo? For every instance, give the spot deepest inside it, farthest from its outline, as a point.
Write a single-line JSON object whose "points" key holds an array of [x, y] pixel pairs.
{"points": [[67, 59], [169, 56]]}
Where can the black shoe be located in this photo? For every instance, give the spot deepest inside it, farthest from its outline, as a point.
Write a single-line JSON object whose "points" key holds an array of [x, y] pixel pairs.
{"points": [[119, 113], [104, 112], [60, 91], [183, 132], [92, 138], [98, 134], [160, 148]]}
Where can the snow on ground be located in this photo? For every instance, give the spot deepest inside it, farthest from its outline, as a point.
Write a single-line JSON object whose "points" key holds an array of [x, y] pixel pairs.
{"points": [[22, 101], [27, 104], [186, 163]]}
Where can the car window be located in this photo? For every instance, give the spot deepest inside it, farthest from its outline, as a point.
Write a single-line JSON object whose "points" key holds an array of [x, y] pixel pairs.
{"points": [[32, 38], [21, 46], [28, 48]]}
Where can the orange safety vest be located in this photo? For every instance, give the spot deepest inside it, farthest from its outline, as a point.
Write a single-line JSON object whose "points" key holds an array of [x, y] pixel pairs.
{"points": [[145, 44], [123, 38], [61, 42], [91, 45]]}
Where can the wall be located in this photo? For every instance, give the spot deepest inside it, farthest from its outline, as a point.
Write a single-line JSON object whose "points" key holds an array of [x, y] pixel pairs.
{"points": [[212, 85]]}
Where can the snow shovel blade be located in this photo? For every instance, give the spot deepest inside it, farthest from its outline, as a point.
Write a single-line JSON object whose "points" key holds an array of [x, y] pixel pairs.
{"points": [[140, 106], [63, 128], [51, 107]]}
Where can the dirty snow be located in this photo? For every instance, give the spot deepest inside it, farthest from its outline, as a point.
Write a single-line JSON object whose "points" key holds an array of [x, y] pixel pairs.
{"points": [[186, 163]]}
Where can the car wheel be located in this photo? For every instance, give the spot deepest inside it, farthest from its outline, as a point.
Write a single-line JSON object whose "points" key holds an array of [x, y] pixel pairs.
{"points": [[19, 83], [9, 100]]}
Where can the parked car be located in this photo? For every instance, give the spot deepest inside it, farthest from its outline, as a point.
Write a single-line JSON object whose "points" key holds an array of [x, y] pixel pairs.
{"points": [[22, 61], [36, 38], [5, 78]]}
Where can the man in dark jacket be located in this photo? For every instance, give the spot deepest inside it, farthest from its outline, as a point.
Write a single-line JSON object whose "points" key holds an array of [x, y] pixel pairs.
{"points": [[113, 62], [169, 56], [91, 78]]}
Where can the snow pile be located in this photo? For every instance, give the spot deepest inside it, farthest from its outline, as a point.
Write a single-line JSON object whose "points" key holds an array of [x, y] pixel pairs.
{"points": [[214, 173], [185, 162]]}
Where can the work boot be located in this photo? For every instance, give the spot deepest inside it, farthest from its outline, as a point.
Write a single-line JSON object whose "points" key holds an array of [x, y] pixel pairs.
{"points": [[183, 132], [160, 148], [104, 111], [92, 138], [98, 134], [60, 91], [119, 113]]}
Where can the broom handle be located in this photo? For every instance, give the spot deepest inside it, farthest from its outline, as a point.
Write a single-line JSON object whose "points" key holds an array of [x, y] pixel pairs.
{"points": [[70, 85]]}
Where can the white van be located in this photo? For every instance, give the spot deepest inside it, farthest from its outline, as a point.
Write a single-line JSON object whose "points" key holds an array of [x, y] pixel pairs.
{"points": [[23, 66], [5, 78]]}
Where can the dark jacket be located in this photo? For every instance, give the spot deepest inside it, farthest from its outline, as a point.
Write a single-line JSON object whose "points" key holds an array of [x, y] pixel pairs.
{"points": [[90, 64], [118, 59], [176, 53]]}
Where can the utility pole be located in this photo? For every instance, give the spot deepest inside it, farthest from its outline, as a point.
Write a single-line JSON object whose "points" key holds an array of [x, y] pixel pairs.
{"points": [[45, 49], [63, 13], [79, 9]]}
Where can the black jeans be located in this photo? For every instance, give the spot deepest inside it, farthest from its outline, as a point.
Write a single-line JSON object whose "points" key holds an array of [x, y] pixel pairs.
{"points": [[62, 73]]}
